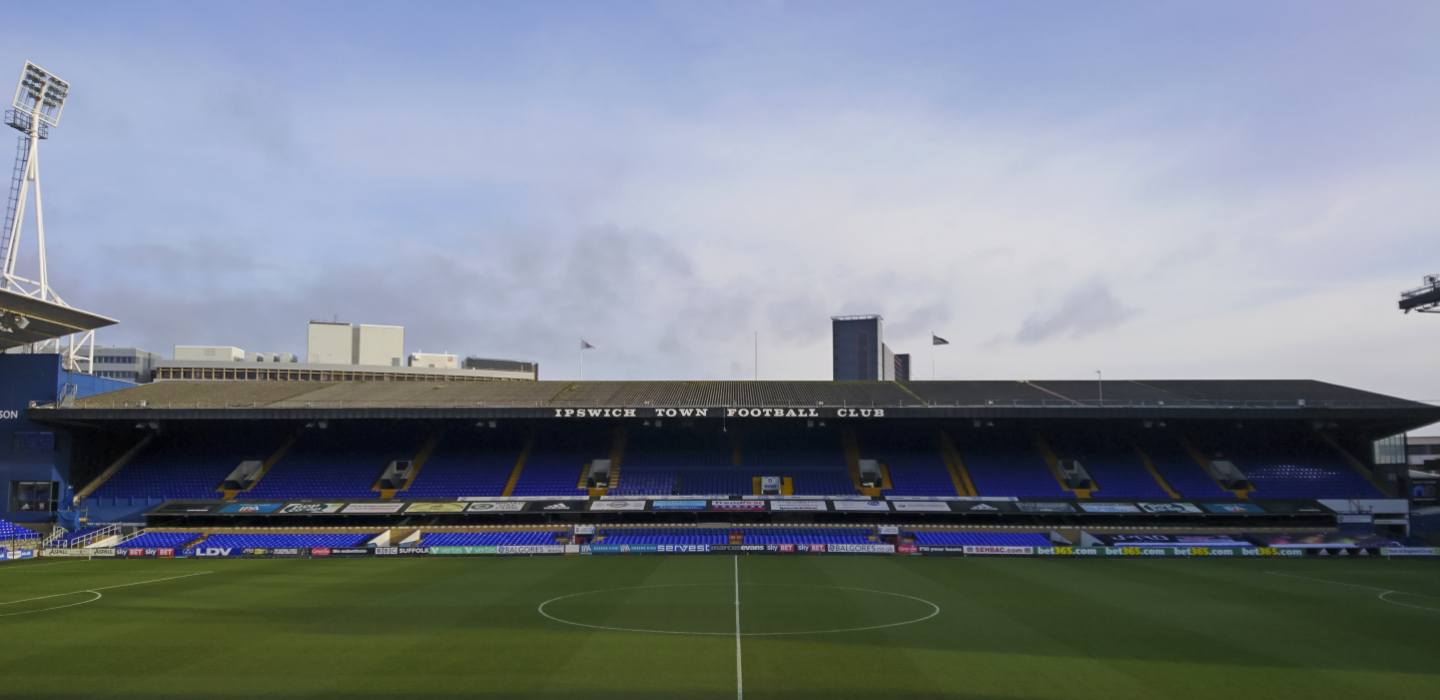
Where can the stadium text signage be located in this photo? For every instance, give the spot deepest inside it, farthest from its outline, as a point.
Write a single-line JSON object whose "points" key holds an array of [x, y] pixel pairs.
{"points": [[718, 413]]}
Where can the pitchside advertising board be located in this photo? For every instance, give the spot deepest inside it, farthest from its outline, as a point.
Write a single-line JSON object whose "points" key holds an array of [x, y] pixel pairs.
{"points": [[250, 508], [1191, 552], [921, 506], [861, 506], [967, 506], [311, 509], [435, 508], [615, 506], [796, 548], [737, 505], [677, 505], [797, 505]]}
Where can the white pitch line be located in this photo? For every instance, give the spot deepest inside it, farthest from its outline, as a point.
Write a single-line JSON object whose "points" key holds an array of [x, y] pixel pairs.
{"points": [[541, 610], [1383, 591], [103, 588], [58, 607], [739, 676], [158, 580], [21, 567]]}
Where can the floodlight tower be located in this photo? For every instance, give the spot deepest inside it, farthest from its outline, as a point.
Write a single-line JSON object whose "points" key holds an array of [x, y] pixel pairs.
{"points": [[1424, 299], [39, 99]]}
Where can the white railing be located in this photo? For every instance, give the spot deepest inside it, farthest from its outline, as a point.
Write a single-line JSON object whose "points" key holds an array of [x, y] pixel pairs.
{"points": [[55, 534]]}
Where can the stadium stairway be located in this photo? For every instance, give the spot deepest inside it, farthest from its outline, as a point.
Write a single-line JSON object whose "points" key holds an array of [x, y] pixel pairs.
{"points": [[269, 463], [616, 455], [851, 442], [787, 486], [404, 535], [1117, 468], [963, 485], [1150, 467], [114, 467], [1354, 463], [415, 464], [1204, 463], [520, 464], [1054, 463]]}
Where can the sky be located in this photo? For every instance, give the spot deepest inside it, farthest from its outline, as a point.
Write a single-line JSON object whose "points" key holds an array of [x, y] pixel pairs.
{"points": [[1151, 190]]}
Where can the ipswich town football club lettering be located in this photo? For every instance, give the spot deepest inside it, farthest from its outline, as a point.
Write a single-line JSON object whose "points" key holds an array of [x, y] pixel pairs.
{"points": [[714, 412]]}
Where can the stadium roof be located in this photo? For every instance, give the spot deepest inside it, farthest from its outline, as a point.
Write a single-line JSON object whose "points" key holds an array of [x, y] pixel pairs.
{"points": [[1118, 394], [1202, 399], [25, 320]]}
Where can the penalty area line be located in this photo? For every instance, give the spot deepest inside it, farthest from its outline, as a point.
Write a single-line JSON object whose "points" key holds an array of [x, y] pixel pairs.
{"points": [[93, 591], [24, 567], [1383, 591]]}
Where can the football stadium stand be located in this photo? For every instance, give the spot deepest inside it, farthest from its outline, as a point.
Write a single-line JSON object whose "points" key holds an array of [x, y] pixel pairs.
{"points": [[486, 539], [1298, 468], [981, 539], [813, 458], [273, 541], [690, 462], [346, 463], [78, 538], [339, 463], [1007, 464], [752, 535], [468, 463], [556, 462], [191, 464], [661, 462], [328, 440], [10, 532], [161, 540], [913, 462], [1118, 470], [1178, 467]]}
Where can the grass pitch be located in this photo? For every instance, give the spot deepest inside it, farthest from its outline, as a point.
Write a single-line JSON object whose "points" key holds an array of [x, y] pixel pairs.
{"points": [[665, 627]]}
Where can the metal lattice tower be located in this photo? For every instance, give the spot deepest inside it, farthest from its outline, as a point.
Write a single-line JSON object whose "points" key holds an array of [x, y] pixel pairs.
{"points": [[39, 100]]}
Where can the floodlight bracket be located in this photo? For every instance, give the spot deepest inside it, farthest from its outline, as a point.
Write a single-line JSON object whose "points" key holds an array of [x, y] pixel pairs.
{"points": [[1424, 299], [20, 121]]}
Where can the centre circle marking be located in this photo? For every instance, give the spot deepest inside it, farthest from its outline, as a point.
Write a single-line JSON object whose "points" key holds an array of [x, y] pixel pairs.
{"points": [[933, 613]]}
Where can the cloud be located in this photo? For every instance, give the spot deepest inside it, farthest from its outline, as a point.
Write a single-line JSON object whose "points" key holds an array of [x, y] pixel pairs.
{"points": [[668, 184], [1086, 309]]}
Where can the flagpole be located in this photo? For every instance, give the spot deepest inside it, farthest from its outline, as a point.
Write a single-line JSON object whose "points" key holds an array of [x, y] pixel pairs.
{"points": [[932, 356], [582, 360]]}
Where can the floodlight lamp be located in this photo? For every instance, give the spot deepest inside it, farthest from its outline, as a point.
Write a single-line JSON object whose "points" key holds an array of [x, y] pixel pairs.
{"points": [[41, 93]]}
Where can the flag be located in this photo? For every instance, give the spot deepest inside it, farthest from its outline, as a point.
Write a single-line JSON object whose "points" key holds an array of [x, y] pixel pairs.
{"points": [[937, 340], [586, 346]]}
